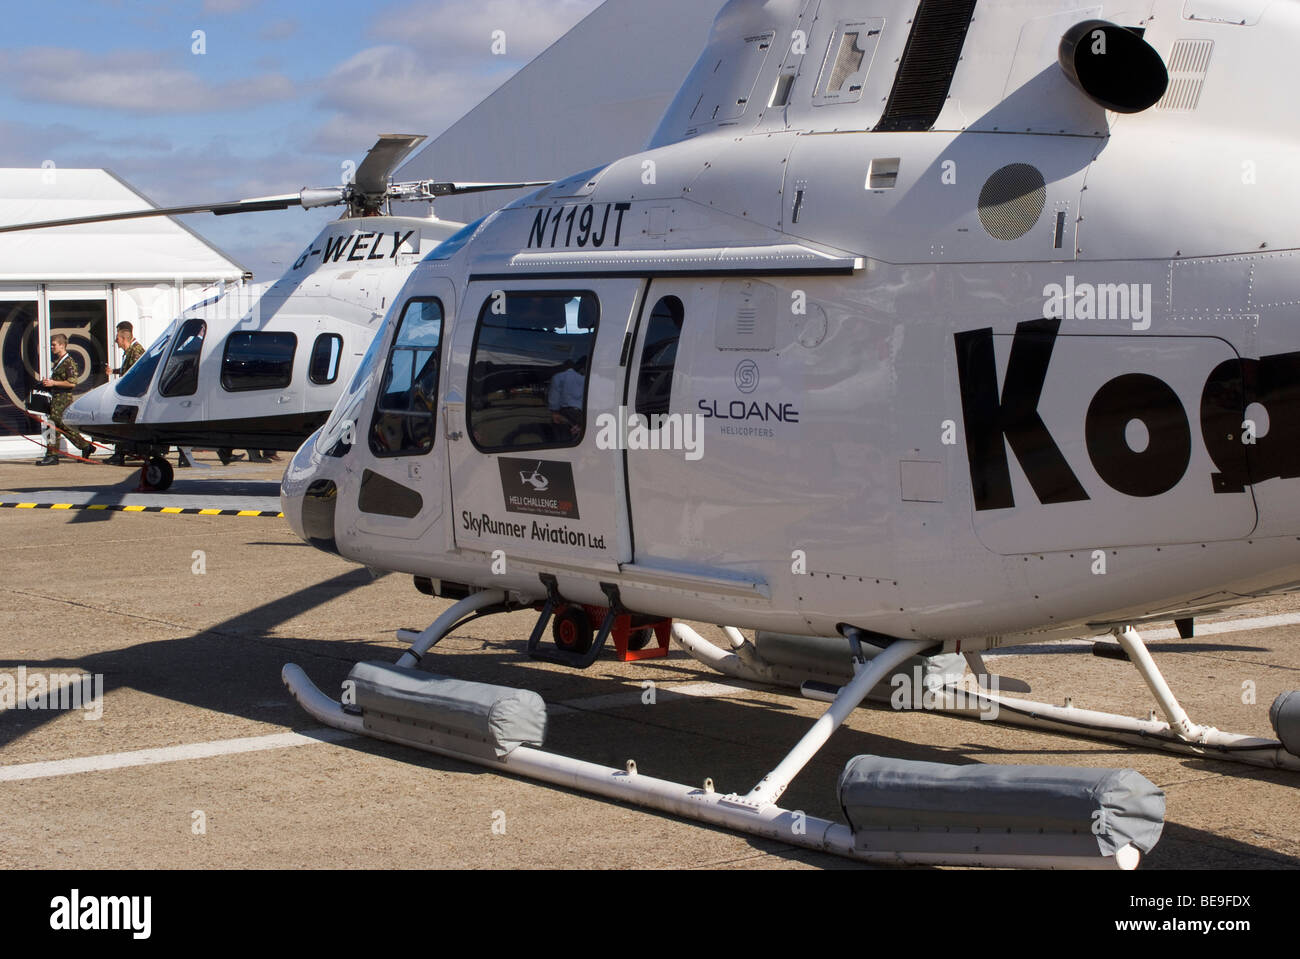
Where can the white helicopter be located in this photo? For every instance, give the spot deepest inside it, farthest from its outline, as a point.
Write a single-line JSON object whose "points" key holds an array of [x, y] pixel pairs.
{"points": [[261, 367], [928, 327]]}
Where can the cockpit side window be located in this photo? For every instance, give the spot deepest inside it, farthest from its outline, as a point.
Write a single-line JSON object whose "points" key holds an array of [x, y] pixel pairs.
{"points": [[180, 377], [406, 410], [135, 382]]}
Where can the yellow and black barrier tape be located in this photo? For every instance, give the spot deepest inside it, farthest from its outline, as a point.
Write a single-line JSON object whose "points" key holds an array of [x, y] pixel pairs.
{"points": [[127, 508]]}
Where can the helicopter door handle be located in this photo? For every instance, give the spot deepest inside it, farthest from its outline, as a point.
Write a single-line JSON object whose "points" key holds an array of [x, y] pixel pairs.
{"points": [[453, 416]]}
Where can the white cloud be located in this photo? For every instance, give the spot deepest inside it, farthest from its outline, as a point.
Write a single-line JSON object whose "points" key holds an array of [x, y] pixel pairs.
{"points": [[139, 82], [228, 6], [437, 67], [392, 89], [279, 30], [462, 30]]}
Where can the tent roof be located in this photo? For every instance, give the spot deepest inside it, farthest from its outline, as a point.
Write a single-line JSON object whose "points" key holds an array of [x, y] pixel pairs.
{"points": [[148, 249]]}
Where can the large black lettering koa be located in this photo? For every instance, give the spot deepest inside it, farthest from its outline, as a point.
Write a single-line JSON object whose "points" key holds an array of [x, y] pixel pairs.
{"points": [[1013, 417], [1161, 464], [1274, 383]]}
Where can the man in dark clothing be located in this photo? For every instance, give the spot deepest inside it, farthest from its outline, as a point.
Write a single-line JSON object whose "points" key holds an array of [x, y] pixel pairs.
{"points": [[61, 382], [131, 351]]}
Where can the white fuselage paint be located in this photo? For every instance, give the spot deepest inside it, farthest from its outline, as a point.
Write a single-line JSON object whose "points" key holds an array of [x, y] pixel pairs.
{"points": [[341, 285], [872, 454]]}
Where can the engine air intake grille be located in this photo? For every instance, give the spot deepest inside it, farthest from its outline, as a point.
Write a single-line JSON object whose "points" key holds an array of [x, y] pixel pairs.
{"points": [[929, 62]]}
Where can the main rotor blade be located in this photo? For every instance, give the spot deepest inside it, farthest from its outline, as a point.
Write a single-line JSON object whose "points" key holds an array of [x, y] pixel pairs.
{"points": [[220, 209], [461, 188], [384, 157]]}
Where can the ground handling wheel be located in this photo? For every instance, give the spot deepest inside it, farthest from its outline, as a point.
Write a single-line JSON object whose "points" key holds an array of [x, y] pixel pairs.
{"points": [[640, 638], [157, 474], [571, 630]]}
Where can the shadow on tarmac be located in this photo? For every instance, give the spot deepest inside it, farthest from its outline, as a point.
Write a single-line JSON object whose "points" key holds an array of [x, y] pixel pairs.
{"points": [[233, 668]]}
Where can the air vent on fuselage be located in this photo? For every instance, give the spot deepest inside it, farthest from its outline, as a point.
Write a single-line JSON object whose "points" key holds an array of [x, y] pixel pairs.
{"points": [[929, 61], [746, 316], [1012, 200], [1189, 62]]}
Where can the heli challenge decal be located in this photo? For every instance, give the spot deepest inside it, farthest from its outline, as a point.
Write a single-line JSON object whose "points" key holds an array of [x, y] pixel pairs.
{"points": [[541, 487]]}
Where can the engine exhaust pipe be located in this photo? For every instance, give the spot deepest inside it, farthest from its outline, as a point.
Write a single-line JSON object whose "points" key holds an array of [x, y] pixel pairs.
{"points": [[1113, 66]]}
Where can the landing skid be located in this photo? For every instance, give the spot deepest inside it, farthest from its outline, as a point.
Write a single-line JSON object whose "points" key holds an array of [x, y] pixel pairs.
{"points": [[756, 812], [1175, 734]]}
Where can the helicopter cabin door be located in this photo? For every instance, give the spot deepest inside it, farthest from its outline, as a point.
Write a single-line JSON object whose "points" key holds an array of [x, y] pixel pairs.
{"points": [[536, 471], [402, 486]]}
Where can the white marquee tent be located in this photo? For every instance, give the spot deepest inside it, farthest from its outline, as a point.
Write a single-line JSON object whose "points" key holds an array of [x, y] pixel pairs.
{"points": [[83, 280]]}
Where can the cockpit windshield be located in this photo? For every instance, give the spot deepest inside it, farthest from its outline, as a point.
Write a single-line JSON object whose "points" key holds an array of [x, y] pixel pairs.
{"points": [[136, 380]]}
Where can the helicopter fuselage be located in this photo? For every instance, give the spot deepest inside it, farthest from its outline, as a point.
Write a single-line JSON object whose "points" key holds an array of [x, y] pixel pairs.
{"points": [[1001, 379], [263, 367]]}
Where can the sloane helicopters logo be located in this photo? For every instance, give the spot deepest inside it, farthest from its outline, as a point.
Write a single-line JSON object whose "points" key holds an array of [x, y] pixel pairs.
{"points": [[748, 418], [747, 376]]}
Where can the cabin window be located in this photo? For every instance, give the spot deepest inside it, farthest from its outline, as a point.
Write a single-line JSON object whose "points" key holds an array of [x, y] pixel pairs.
{"points": [[406, 412], [180, 377], [654, 386], [529, 370], [258, 361], [325, 353], [339, 432]]}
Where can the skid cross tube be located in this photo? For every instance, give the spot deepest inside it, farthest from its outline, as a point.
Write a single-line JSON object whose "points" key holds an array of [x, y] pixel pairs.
{"points": [[776, 782], [743, 662], [1141, 658], [423, 641]]}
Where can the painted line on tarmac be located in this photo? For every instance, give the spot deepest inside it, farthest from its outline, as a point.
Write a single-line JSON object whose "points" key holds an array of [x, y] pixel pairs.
{"points": [[171, 754], [1148, 635], [632, 697], [124, 508], [1230, 626], [229, 747]]}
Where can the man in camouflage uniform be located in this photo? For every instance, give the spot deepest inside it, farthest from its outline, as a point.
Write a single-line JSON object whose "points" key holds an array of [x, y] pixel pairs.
{"points": [[61, 382], [131, 351]]}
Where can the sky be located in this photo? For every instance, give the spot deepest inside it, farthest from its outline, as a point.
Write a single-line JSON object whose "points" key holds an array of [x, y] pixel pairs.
{"points": [[209, 100]]}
